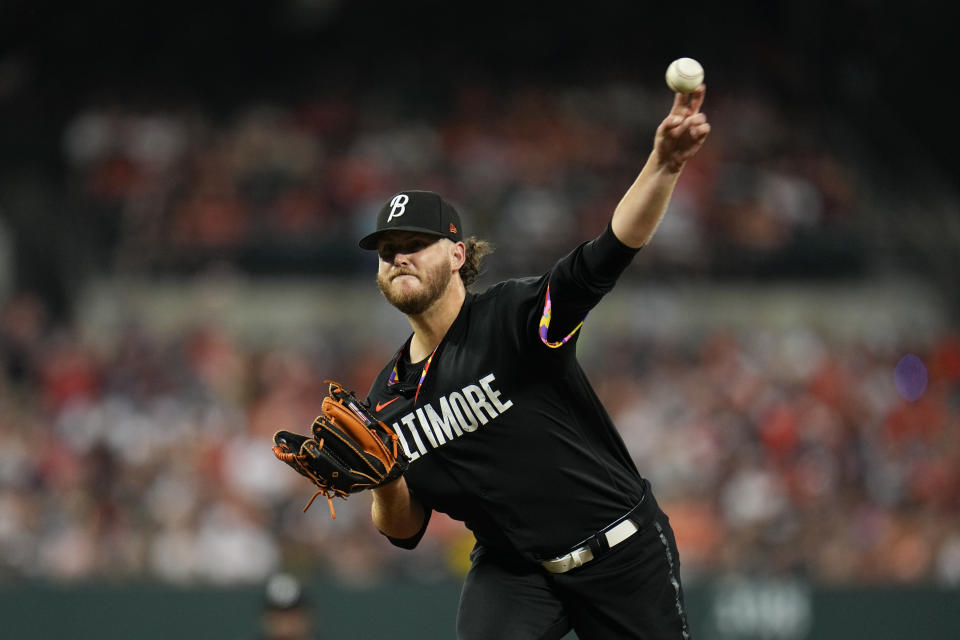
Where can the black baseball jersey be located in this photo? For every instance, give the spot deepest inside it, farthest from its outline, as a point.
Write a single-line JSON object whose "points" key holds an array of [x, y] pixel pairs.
{"points": [[503, 430]]}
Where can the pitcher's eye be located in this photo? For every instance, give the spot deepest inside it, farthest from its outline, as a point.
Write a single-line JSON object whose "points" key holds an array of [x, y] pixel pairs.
{"points": [[418, 245], [389, 250]]}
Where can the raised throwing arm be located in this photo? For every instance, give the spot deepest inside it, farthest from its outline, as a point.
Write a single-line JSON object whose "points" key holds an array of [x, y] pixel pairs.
{"points": [[678, 138]]}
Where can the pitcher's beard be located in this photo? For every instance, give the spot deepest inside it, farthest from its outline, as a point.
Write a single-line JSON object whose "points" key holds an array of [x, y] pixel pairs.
{"points": [[416, 302]]}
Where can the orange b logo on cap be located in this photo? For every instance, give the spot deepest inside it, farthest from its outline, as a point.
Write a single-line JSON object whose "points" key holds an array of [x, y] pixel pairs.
{"points": [[453, 229]]}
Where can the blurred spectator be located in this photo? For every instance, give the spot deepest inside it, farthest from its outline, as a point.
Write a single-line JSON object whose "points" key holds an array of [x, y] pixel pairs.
{"points": [[287, 613]]}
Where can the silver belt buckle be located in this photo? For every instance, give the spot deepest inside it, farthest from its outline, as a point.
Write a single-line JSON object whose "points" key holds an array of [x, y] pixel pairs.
{"points": [[572, 560], [583, 555]]}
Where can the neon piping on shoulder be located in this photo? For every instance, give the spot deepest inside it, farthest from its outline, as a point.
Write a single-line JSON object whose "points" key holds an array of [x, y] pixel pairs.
{"points": [[545, 325]]}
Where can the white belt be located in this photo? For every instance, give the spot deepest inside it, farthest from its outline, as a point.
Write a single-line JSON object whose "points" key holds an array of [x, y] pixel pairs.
{"points": [[582, 555]]}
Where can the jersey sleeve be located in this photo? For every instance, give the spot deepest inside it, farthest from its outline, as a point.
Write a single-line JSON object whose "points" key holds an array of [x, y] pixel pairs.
{"points": [[577, 283]]}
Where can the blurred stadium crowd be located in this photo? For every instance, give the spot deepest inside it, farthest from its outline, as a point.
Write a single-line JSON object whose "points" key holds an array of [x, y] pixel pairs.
{"points": [[772, 453], [274, 187], [148, 456]]}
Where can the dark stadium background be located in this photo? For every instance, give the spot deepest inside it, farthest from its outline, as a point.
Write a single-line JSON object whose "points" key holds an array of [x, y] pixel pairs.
{"points": [[887, 68]]}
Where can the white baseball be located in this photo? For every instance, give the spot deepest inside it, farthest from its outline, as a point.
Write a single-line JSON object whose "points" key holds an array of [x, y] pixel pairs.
{"points": [[684, 75]]}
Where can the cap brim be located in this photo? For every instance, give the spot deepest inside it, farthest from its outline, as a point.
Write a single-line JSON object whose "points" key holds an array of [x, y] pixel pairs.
{"points": [[369, 242]]}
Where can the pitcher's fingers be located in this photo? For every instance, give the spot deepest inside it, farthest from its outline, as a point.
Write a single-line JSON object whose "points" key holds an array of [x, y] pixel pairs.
{"points": [[700, 131], [680, 129], [696, 98], [668, 123], [680, 106]]}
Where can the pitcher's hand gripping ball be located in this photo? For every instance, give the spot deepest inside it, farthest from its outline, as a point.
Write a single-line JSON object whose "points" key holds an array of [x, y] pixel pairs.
{"points": [[350, 450]]}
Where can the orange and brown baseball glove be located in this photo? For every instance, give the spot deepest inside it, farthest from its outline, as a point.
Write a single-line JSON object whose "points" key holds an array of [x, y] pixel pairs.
{"points": [[349, 451]]}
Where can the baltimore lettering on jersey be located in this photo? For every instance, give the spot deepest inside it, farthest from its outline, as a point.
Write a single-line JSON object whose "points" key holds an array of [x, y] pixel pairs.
{"points": [[456, 413]]}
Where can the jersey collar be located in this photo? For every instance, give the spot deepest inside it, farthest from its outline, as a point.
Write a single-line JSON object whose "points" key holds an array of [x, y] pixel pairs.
{"points": [[397, 386]]}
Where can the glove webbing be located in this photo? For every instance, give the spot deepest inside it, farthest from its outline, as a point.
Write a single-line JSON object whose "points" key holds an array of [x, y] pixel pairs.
{"points": [[325, 490]]}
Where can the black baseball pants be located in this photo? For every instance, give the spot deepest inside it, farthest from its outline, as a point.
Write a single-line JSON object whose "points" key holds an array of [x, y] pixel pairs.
{"points": [[631, 591]]}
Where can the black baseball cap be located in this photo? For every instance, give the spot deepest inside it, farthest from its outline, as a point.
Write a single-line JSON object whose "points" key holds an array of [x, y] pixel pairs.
{"points": [[420, 211]]}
